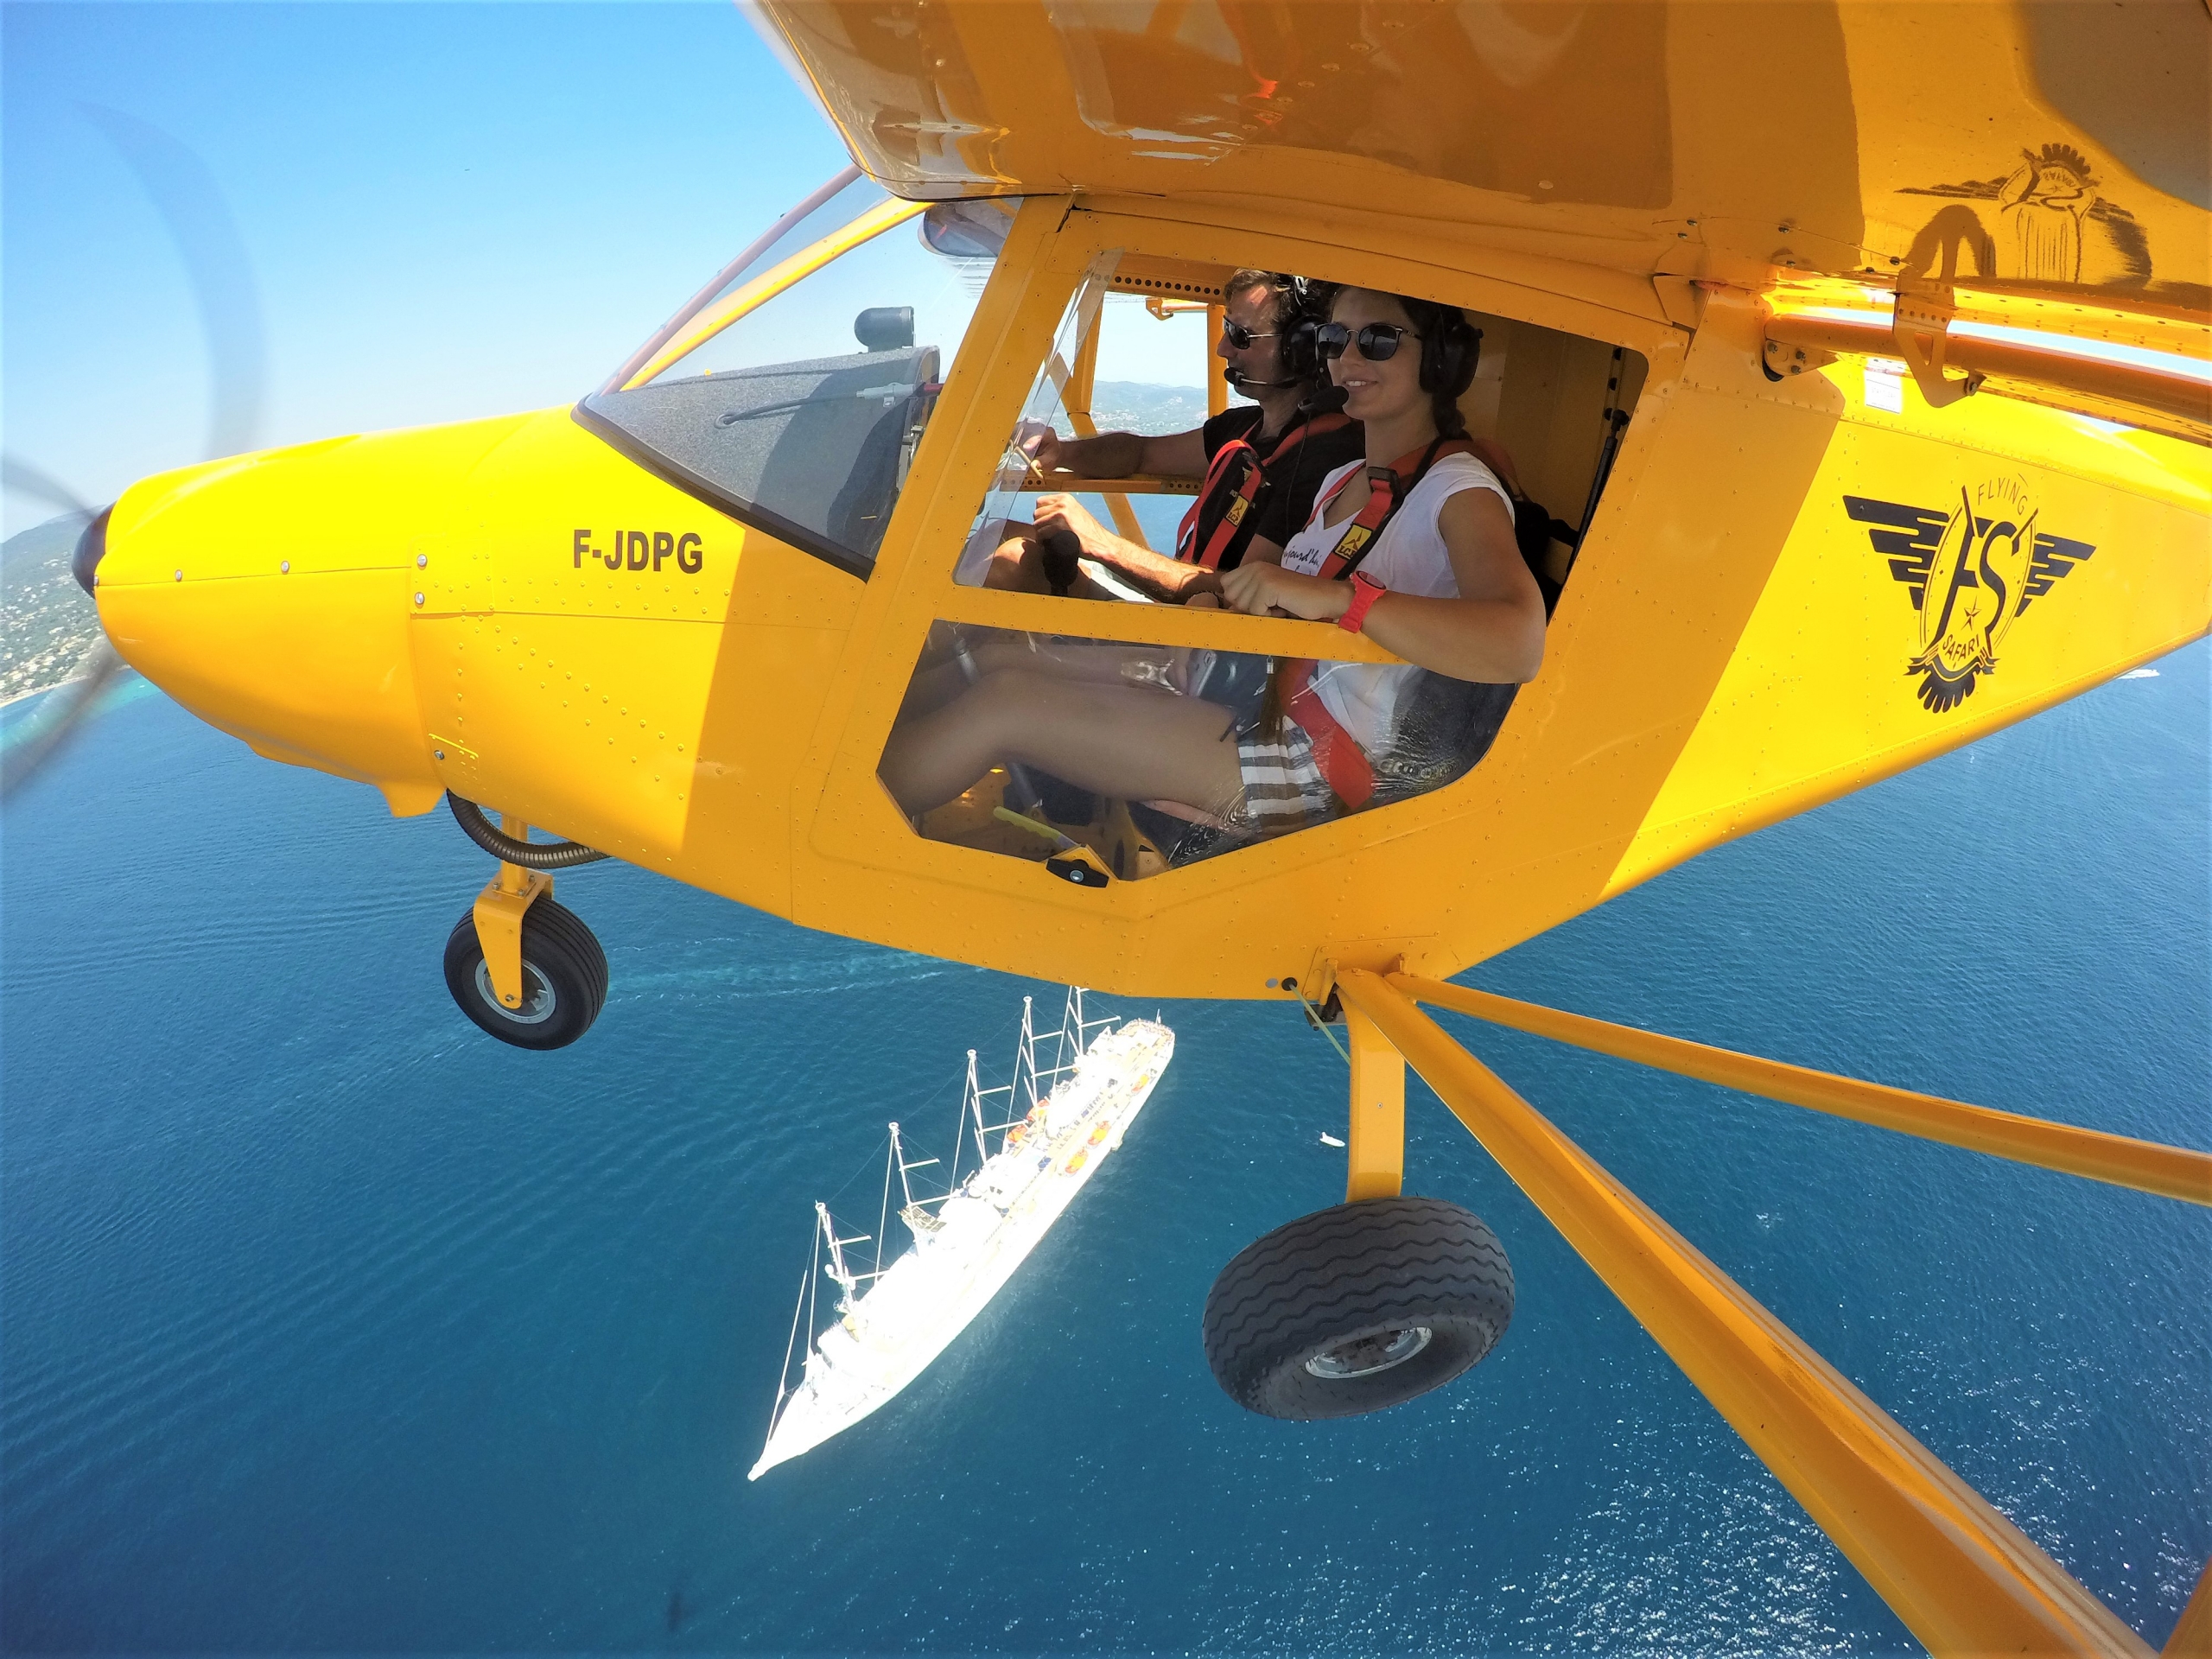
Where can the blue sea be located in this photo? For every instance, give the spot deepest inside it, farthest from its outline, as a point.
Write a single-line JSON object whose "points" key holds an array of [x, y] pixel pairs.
{"points": [[329, 1324]]}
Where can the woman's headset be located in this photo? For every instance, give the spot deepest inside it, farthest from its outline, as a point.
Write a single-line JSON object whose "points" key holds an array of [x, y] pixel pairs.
{"points": [[1450, 346]]}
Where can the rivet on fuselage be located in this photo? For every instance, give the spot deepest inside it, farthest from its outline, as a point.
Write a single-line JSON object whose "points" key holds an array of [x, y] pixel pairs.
{"points": [[422, 561], [418, 599], [180, 576], [285, 569]]}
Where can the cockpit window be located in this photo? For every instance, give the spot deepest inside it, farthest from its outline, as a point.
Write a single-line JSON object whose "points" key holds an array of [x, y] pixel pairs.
{"points": [[794, 399], [1103, 757], [1106, 758], [1133, 354]]}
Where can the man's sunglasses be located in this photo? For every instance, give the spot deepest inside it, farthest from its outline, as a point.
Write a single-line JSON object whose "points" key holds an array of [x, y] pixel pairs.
{"points": [[1377, 342], [1239, 336]]}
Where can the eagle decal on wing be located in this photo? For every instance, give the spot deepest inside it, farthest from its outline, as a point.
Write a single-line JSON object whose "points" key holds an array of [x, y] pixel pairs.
{"points": [[1970, 574]]}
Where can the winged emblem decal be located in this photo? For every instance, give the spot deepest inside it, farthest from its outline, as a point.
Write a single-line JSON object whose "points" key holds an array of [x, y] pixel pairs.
{"points": [[1972, 568]]}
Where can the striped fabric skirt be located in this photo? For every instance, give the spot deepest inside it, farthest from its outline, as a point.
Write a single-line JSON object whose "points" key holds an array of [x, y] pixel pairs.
{"points": [[1284, 789]]}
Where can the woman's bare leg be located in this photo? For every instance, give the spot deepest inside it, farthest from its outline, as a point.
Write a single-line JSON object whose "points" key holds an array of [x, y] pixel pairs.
{"points": [[1113, 739], [1106, 665], [947, 677]]}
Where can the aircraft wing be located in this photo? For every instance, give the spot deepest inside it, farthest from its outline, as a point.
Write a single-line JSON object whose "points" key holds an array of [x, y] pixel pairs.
{"points": [[2048, 148]]}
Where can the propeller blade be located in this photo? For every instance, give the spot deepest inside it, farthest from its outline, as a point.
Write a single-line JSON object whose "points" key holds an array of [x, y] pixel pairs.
{"points": [[185, 195], [27, 480], [40, 736], [191, 205]]}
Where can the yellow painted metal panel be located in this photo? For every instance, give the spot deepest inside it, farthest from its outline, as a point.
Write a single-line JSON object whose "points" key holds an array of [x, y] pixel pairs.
{"points": [[2192, 1633], [499, 908], [270, 593], [649, 712], [2053, 148], [1376, 1139], [1822, 693]]}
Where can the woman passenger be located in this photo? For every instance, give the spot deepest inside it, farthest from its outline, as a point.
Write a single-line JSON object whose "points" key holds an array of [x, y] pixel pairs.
{"points": [[1445, 588]]}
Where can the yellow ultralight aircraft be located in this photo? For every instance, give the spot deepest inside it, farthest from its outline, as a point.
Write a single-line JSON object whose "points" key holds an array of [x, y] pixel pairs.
{"points": [[1870, 341]]}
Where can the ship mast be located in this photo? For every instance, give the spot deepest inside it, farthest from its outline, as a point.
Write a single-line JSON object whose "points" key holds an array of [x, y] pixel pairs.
{"points": [[915, 1215], [971, 1113], [1025, 1054], [838, 1269]]}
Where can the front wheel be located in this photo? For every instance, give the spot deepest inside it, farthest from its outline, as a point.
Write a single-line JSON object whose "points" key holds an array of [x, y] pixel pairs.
{"points": [[1357, 1307], [563, 978]]}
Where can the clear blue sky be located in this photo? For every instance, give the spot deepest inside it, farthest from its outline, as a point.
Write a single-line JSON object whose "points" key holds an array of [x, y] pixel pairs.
{"points": [[451, 210]]}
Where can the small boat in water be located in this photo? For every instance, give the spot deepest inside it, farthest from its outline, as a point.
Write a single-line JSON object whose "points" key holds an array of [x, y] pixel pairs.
{"points": [[967, 1241]]}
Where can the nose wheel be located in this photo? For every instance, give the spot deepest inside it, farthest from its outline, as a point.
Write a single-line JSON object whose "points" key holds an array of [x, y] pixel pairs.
{"points": [[523, 968], [563, 978]]}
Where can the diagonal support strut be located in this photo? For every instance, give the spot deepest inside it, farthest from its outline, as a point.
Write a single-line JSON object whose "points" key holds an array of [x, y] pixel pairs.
{"points": [[2172, 1172], [1962, 1577]]}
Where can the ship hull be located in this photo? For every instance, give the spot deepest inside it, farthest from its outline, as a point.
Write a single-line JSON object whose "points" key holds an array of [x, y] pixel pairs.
{"points": [[986, 1230]]}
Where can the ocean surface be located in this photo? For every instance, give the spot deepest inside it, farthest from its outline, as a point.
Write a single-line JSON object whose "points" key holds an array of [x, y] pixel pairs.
{"points": [[327, 1323]]}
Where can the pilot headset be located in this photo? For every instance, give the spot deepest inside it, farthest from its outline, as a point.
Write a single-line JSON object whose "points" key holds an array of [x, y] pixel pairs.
{"points": [[1306, 308]]}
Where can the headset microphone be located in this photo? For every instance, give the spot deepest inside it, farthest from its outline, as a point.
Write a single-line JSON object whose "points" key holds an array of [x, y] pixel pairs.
{"points": [[1243, 383], [1328, 397]]}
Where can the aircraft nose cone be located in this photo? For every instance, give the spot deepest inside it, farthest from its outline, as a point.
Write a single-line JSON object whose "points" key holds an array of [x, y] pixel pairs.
{"points": [[92, 547]]}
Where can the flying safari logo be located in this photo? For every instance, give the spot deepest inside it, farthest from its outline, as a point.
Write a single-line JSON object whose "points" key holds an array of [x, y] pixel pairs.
{"points": [[1972, 571]]}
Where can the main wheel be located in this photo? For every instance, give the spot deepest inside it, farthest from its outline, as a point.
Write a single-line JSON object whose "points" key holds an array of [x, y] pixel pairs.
{"points": [[1352, 1309], [563, 978]]}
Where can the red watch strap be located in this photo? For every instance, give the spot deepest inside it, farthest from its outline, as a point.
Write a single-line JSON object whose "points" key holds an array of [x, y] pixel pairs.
{"points": [[1364, 593]]}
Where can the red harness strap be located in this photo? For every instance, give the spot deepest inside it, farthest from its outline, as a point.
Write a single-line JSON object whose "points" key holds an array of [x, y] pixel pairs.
{"points": [[1383, 495], [1341, 760], [1235, 452]]}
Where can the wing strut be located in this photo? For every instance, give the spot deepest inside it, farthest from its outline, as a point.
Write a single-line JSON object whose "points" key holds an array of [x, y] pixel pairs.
{"points": [[1962, 1577], [2172, 1172]]}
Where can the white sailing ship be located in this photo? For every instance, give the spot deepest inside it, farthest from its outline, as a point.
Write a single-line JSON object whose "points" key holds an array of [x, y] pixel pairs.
{"points": [[892, 1320]]}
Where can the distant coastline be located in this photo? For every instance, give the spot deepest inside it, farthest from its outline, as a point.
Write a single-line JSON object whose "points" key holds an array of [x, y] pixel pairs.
{"points": [[48, 622], [9, 700]]}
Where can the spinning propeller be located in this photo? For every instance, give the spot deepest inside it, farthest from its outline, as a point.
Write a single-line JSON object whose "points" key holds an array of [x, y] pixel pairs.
{"points": [[199, 221]]}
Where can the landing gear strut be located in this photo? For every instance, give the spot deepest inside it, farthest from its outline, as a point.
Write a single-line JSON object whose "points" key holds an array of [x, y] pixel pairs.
{"points": [[523, 968], [1368, 1304]]}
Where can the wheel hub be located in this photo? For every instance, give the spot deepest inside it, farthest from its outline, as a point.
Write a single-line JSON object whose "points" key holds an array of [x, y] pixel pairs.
{"points": [[1365, 1356], [538, 995]]}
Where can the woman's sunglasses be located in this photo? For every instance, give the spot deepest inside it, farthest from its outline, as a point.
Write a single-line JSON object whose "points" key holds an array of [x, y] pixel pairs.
{"points": [[1377, 342], [1239, 336]]}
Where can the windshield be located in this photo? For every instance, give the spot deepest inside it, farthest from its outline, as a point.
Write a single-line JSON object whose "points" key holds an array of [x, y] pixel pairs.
{"points": [[792, 394]]}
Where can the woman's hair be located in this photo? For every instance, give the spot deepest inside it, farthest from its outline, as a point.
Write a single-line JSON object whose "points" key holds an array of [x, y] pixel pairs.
{"points": [[1433, 322]]}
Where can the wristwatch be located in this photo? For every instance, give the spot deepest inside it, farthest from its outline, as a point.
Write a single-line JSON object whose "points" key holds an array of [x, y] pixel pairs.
{"points": [[1364, 593]]}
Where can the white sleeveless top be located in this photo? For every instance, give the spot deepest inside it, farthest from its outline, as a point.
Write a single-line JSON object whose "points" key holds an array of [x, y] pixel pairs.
{"points": [[1409, 558]]}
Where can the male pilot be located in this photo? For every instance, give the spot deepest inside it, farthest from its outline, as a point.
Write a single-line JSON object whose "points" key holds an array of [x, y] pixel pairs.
{"points": [[1281, 445]]}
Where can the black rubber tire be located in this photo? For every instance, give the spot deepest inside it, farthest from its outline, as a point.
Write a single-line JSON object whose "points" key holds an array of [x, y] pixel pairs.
{"points": [[1346, 1276], [559, 958]]}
